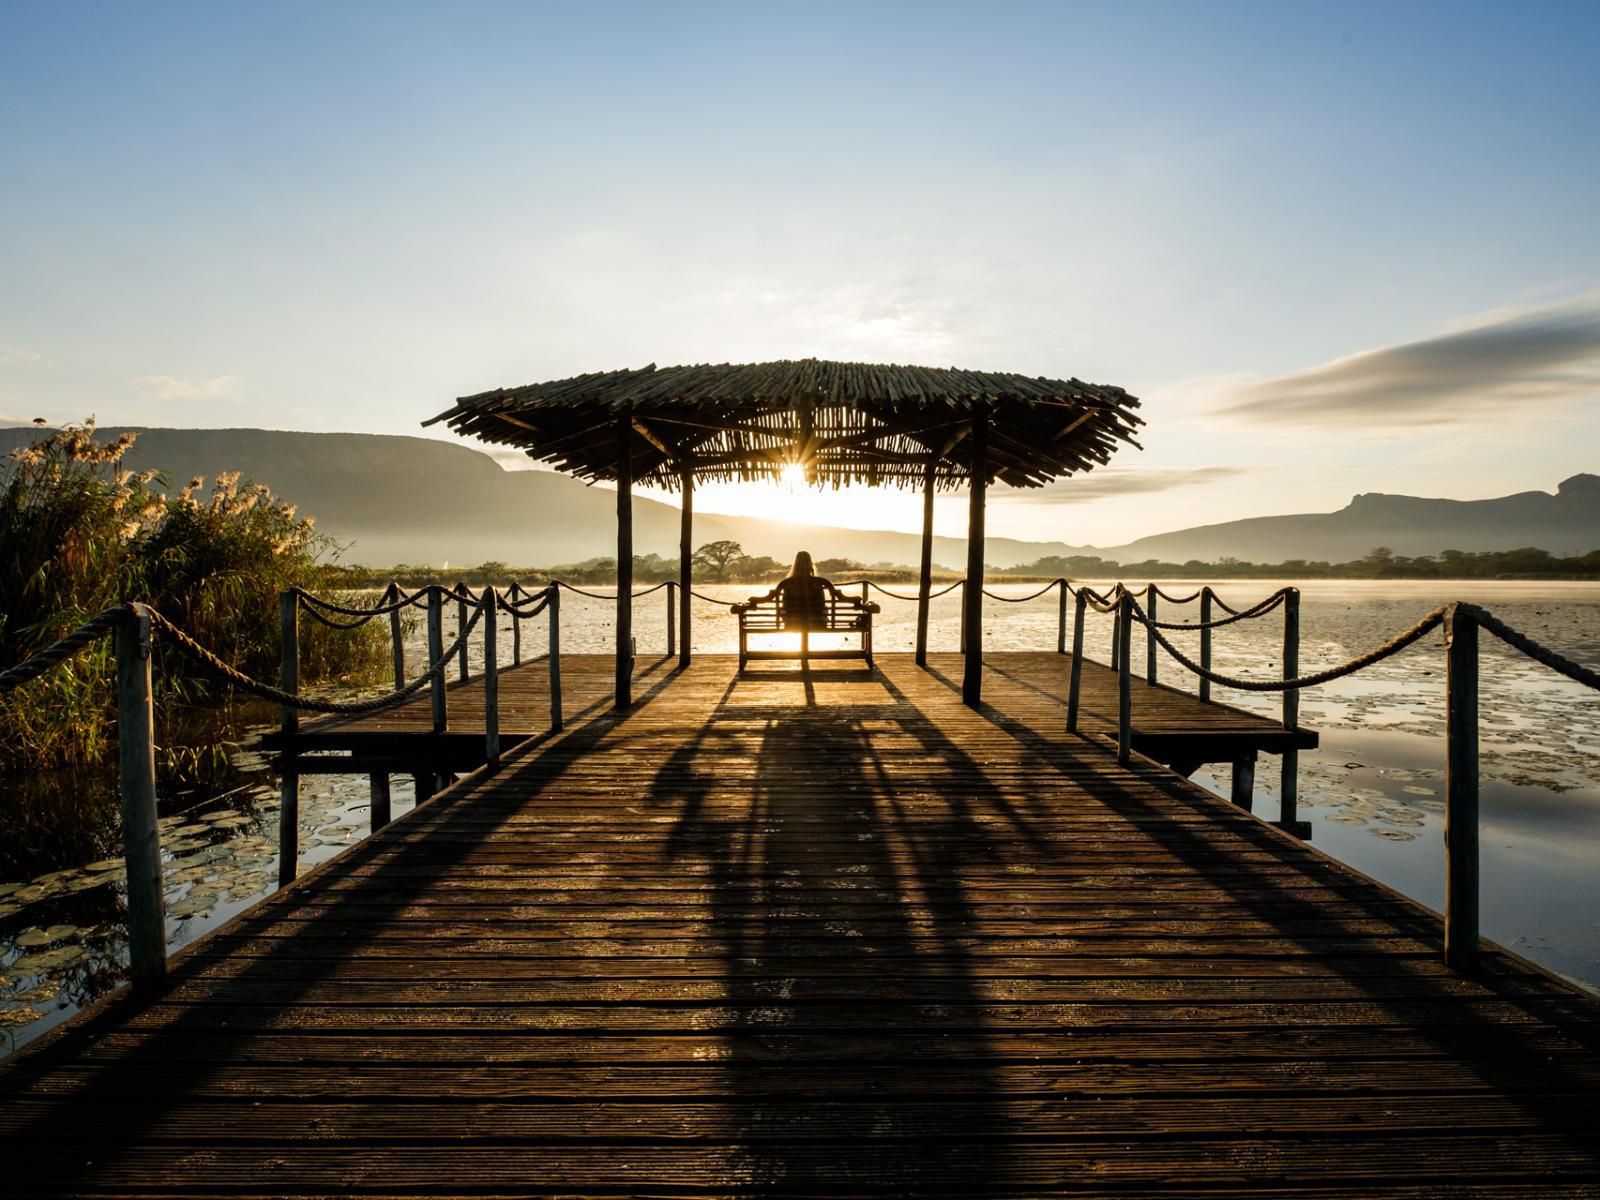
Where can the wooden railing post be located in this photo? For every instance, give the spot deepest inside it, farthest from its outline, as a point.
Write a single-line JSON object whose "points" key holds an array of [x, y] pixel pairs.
{"points": [[489, 599], [1205, 640], [1461, 788], [436, 685], [1124, 679], [672, 618], [378, 794], [1074, 688], [1150, 609], [965, 588], [514, 595], [397, 641], [141, 836], [1289, 763], [554, 609], [289, 774], [1116, 634], [1061, 617], [461, 628]]}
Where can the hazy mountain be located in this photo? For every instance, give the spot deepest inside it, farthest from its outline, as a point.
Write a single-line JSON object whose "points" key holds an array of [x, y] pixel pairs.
{"points": [[409, 499], [416, 500], [1567, 522]]}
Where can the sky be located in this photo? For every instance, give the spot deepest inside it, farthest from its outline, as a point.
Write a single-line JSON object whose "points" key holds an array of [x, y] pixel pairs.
{"points": [[1333, 248]]}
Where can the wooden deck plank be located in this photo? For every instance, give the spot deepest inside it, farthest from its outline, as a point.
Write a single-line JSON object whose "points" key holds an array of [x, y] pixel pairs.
{"points": [[821, 933]]}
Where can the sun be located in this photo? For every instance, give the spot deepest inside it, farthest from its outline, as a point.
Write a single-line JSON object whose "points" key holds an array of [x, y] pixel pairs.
{"points": [[793, 476]]}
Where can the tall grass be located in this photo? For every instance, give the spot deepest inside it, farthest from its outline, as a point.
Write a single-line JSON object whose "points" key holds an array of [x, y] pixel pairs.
{"points": [[79, 533]]}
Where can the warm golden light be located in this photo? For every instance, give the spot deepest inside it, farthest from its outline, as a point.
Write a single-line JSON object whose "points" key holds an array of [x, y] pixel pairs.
{"points": [[793, 476]]}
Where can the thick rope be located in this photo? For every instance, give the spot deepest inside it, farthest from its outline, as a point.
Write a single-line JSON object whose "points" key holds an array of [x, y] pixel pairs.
{"points": [[523, 610], [1392, 647], [197, 653], [56, 653], [900, 595], [1260, 609], [1540, 654], [1049, 587], [612, 596], [313, 603]]}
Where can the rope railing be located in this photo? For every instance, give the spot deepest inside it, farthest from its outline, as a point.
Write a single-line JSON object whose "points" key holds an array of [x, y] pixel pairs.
{"points": [[1460, 622]]}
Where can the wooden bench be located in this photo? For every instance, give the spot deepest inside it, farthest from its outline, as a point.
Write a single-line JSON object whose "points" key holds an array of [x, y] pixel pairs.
{"points": [[837, 613]]}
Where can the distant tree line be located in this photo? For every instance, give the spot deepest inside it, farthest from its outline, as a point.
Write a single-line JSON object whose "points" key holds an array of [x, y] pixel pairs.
{"points": [[1380, 563], [726, 562]]}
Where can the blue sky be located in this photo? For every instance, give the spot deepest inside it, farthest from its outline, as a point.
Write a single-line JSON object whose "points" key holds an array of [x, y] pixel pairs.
{"points": [[1336, 249]]}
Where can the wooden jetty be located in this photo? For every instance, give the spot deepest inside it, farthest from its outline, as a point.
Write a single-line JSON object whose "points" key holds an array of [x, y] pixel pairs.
{"points": [[820, 932]]}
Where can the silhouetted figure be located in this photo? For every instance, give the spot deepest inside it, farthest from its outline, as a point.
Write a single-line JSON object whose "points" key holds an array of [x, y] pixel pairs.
{"points": [[803, 595]]}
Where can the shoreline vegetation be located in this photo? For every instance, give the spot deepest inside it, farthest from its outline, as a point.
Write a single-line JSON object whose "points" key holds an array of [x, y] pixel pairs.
{"points": [[79, 534], [726, 562]]}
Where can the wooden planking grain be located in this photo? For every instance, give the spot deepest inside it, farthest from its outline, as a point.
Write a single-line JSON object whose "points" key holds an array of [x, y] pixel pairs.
{"points": [[828, 934]]}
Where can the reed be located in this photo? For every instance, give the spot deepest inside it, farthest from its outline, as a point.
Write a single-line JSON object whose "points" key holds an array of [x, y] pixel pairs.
{"points": [[79, 533]]}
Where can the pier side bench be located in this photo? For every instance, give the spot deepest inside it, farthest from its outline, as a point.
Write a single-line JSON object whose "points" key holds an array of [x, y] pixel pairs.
{"points": [[837, 614]]}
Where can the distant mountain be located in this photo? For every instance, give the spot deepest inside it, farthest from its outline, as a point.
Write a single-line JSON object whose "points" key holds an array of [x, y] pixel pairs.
{"points": [[417, 500], [1567, 522]]}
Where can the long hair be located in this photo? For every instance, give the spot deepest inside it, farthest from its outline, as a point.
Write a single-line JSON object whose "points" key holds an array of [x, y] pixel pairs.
{"points": [[802, 568]]}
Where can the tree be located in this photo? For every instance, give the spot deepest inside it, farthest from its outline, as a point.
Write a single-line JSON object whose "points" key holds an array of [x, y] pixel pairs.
{"points": [[718, 557]]}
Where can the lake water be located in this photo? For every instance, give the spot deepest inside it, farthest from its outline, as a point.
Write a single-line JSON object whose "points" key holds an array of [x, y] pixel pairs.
{"points": [[1373, 791]]}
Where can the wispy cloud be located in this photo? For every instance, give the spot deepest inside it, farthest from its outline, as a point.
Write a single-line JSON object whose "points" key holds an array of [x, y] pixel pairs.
{"points": [[1110, 481], [17, 356], [1533, 355], [169, 387]]}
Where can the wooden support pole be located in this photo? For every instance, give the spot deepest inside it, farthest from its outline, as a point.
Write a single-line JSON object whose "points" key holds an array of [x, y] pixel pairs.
{"points": [[436, 685], [141, 836], [1061, 618], [378, 788], [289, 776], [972, 615], [1152, 598], [672, 617], [554, 609], [1075, 687], [1461, 789], [1116, 634], [397, 641], [1205, 640], [1289, 764], [685, 564], [925, 573], [462, 671], [1124, 633], [515, 595], [424, 784], [1244, 782], [962, 623], [491, 676], [623, 697]]}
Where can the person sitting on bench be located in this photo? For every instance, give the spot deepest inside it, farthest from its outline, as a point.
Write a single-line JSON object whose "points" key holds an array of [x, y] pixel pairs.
{"points": [[804, 602], [802, 596]]}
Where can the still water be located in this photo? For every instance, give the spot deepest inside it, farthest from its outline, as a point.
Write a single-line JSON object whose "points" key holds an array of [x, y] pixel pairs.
{"points": [[1373, 791]]}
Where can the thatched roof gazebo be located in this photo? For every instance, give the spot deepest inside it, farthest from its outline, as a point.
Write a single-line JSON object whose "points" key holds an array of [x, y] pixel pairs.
{"points": [[837, 422]]}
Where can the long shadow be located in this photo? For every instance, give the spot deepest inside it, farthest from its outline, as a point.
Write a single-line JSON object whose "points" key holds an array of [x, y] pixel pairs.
{"points": [[55, 1152], [1506, 1055], [839, 902]]}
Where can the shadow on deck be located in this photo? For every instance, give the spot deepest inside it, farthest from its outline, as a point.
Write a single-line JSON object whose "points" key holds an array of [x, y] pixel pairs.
{"points": [[822, 932]]}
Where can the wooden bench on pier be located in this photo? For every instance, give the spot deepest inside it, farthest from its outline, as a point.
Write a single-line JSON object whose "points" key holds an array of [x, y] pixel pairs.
{"points": [[835, 613]]}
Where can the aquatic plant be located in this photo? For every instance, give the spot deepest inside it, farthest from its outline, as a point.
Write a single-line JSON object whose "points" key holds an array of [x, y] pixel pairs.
{"points": [[79, 532]]}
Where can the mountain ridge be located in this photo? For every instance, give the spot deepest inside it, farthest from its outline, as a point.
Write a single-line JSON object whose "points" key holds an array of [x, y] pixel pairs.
{"points": [[396, 498]]}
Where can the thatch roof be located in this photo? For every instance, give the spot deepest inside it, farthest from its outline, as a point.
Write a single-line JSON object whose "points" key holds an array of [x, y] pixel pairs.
{"points": [[845, 422]]}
